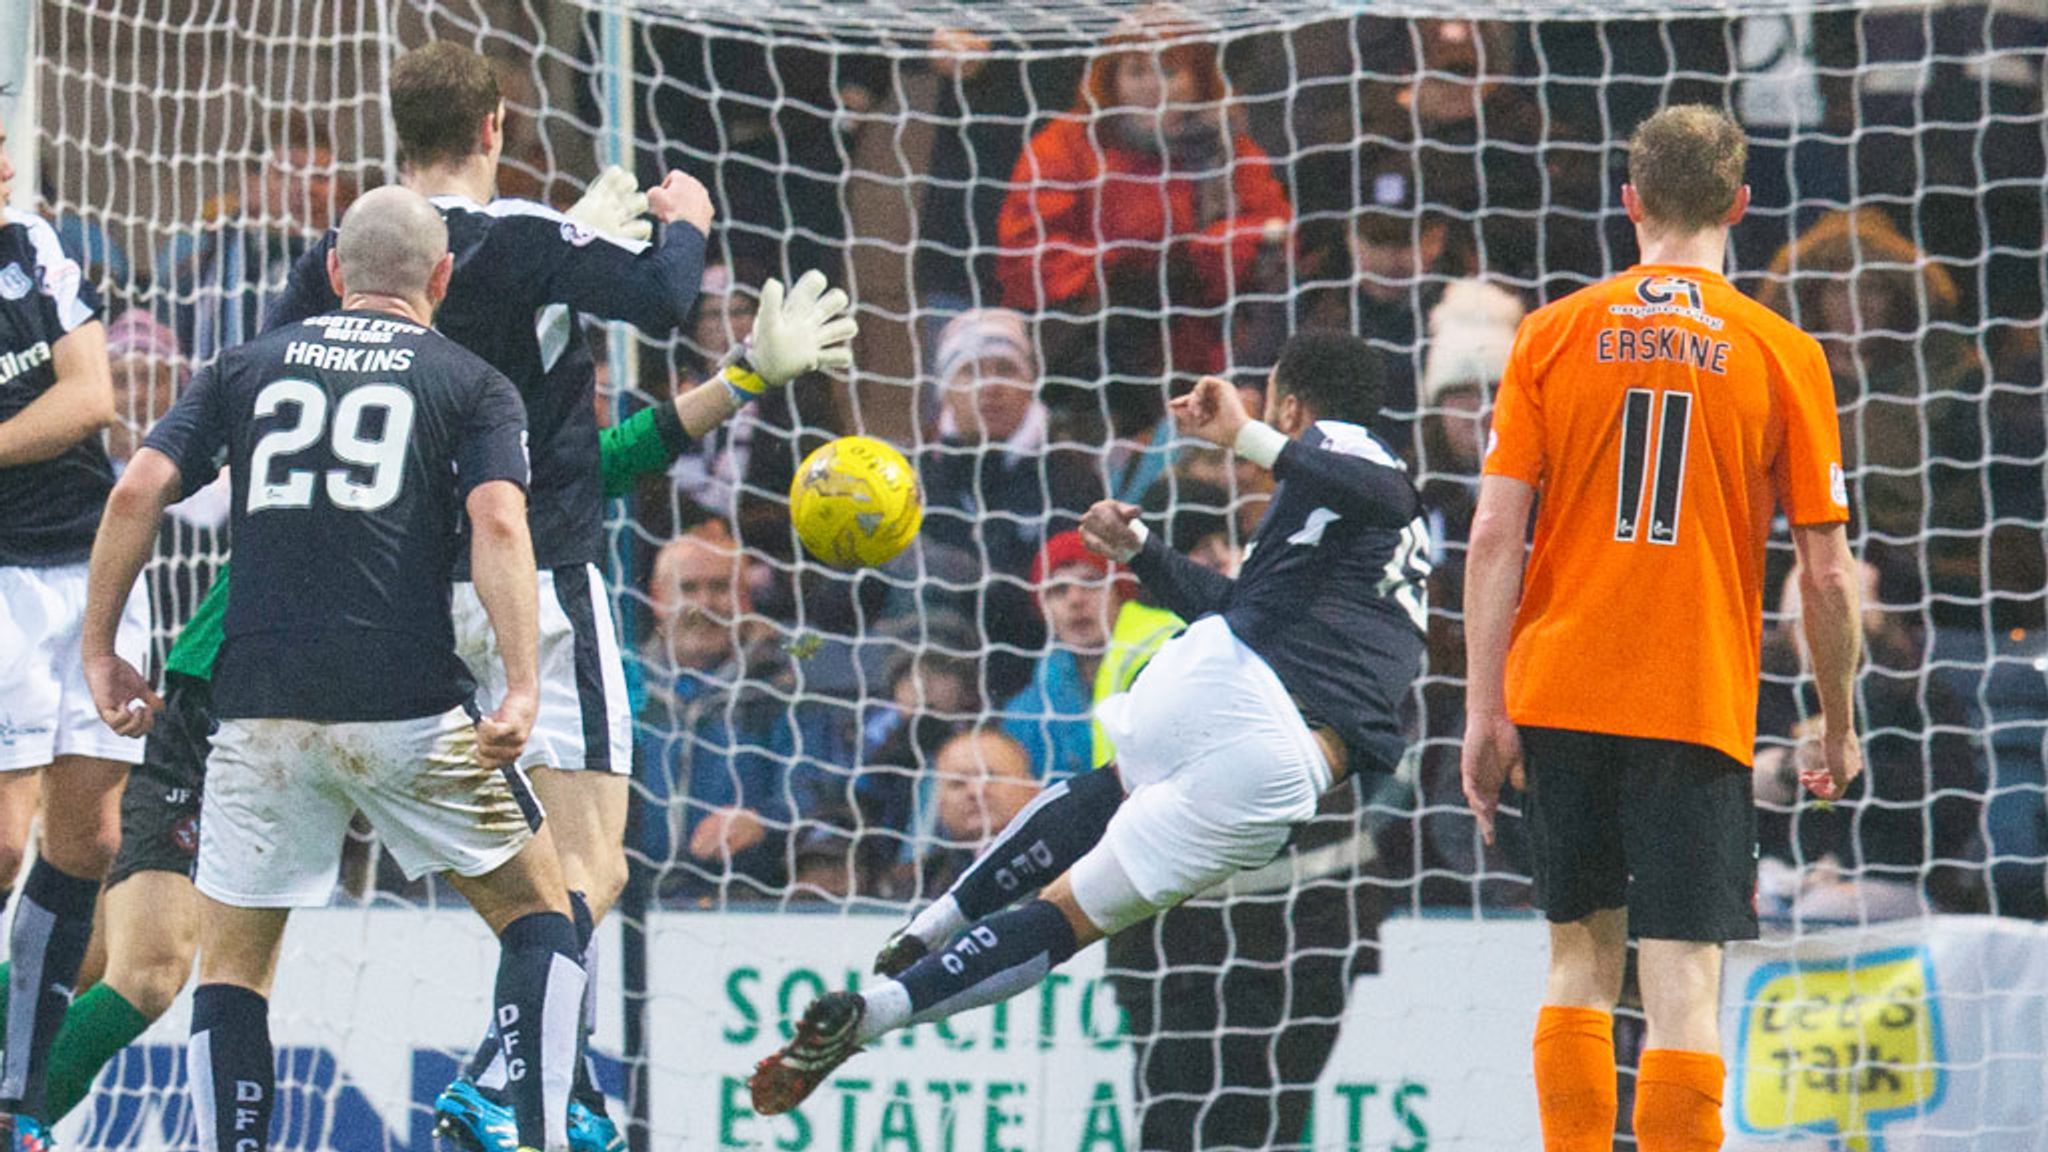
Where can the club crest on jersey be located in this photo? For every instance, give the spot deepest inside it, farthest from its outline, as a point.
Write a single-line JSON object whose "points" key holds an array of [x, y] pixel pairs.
{"points": [[1669, 296], [15, 283], [577, 234]]}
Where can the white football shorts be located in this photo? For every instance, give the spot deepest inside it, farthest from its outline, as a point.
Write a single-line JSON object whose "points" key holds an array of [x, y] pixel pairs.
{"points": [[1216, 761], [46, 709], [279, 795], [585, 722]]}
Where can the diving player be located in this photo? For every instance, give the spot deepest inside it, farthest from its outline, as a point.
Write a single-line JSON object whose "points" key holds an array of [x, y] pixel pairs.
{"points": [[1290, 676]]}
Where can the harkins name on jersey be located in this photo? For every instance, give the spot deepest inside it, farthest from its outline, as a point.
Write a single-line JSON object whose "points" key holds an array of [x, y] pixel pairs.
{"points": [[324, 355], [34, 356]]}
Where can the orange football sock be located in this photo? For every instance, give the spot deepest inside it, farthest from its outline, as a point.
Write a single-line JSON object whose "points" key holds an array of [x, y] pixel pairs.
{"points": [[1678, 1101], [1575, 1079]]}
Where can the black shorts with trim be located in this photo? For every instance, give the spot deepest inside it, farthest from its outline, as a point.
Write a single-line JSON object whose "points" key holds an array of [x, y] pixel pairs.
{"points": [[160, 805], [1662, 828]]}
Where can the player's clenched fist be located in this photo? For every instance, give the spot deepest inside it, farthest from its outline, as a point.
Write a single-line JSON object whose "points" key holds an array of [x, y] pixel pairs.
{"points": [[501, 736], [1109, 530], [124, 699], [1214, 411], [683, 198]]}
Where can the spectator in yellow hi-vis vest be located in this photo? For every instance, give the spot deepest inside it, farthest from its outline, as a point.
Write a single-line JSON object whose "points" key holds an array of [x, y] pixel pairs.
{"points": [[1197, 521]]}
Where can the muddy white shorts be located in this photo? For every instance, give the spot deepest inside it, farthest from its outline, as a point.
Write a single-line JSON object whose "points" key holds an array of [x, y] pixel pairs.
{"points": [[1217, 762], [279, 795], [585, 721], [46, 710]]}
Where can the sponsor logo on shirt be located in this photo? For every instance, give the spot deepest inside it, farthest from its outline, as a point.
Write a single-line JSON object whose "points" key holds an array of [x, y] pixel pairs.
{"points": [[1838, 485], [577, 234], [34, 356], [15, 283], [1668, 296]]}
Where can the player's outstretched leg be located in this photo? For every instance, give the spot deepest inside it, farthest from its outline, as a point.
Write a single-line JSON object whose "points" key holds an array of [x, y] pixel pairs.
{"points": [[991, 961], [1059, 826]]}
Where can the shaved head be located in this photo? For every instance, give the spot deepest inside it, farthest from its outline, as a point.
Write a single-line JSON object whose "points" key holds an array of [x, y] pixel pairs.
{"points": [[391, 240]]}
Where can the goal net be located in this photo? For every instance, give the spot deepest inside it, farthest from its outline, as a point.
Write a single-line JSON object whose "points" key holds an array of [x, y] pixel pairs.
{"points": [[1054, 216]]}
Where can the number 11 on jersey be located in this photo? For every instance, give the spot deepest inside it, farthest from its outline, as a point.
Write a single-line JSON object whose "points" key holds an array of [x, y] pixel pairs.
{"points": [[1667, 484]]}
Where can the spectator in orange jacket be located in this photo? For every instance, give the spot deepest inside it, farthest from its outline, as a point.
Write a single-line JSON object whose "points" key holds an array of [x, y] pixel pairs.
{"points": [[1144, 197]]}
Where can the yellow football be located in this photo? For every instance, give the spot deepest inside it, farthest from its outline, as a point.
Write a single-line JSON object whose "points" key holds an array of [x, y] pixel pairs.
{"points": [[855, 502]]}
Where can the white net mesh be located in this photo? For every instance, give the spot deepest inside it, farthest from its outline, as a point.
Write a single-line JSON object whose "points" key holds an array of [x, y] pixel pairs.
{"points": [[1404, 173]]}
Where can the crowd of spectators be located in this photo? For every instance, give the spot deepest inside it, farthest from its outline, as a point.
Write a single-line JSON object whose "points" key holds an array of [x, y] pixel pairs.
{"points": [[1098, 224], [1166, 212]]}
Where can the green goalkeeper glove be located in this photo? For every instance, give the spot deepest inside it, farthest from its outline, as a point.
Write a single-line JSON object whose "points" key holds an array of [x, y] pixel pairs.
{"points": [[808, 330], [614, 206]]}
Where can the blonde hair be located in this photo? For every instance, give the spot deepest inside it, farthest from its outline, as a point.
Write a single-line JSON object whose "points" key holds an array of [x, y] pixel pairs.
{"points": [[1686, 163]]}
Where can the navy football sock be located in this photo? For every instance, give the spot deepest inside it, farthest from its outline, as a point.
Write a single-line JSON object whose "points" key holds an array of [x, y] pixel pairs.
{"points": [[231, 1067], [539, 1000], [991, 961], [585, 1089], [51, 930], [1058, 827]]}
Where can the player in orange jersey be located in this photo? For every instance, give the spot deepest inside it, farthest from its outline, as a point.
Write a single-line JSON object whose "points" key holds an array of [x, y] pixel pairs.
{"points": [[1664, 417]]}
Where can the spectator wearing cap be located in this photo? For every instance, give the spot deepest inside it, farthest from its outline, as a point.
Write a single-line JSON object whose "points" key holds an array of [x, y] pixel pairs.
{"points": [[1401, 256], [1144, 198], [994, 488], [1079, 593]]}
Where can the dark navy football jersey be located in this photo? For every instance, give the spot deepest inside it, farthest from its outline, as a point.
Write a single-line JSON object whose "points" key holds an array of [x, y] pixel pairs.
{"points": [[352, 440], [523, 273], [1331, 594], [50, 509]]}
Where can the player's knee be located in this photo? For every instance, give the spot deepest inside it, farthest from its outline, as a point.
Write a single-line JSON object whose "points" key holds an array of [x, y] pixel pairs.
{"points": [[151, 983], [607, 876], [83, 851], [11, 858]]}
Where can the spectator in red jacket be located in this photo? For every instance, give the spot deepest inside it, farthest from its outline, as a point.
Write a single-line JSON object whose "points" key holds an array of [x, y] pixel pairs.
{"points": [[1144, 197]]}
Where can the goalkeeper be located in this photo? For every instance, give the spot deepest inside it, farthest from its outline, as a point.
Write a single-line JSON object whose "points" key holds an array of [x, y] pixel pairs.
{"points": [[150, 908], [1290, 676]]}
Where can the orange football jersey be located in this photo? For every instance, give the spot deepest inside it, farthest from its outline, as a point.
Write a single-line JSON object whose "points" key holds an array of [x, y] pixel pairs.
{"points": [[1663, 416]]}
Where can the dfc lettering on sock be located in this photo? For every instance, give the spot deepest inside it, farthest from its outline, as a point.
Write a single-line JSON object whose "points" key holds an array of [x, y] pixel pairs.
{"points": [[248, 1095], [1034, 859], [508, 1036], [977, 938]]}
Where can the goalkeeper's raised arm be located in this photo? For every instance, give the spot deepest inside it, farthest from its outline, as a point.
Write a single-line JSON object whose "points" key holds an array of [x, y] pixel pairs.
{"points": [[804, 329]]}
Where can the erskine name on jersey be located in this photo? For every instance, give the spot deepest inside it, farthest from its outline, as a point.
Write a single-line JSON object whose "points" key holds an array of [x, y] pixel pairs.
{"points": [[1331, 594], [50, 509], [523, 273], [348, 482]]}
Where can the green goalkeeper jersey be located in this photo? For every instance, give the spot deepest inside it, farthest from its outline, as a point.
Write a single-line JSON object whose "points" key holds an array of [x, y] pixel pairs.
{"points": [[645, 443]]}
